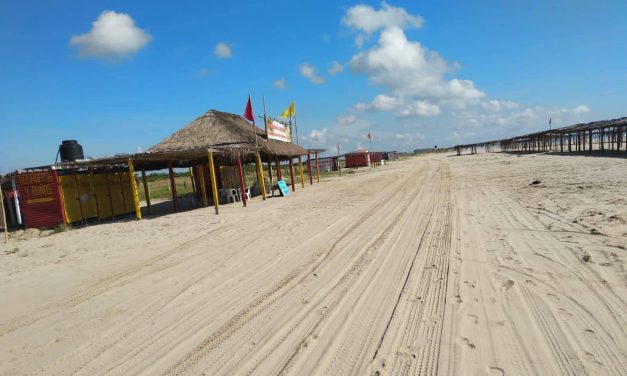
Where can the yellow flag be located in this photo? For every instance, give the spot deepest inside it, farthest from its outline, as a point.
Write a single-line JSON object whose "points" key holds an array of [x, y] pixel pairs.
{"points": [[289, 111]]}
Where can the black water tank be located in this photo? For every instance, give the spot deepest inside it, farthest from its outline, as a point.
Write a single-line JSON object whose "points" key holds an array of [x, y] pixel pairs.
{"points": [[70, 150]]}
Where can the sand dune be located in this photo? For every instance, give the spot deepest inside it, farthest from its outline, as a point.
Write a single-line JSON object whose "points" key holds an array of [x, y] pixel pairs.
{"points": [[432, 265]]}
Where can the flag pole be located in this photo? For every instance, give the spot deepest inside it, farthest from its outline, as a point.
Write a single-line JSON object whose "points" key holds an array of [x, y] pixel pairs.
{"points": [[265, 124], [300, 161], [265, 120], [253, 111]]}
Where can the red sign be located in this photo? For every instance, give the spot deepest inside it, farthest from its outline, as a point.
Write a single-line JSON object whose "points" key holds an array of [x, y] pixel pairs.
{"points": [[40, 199]]}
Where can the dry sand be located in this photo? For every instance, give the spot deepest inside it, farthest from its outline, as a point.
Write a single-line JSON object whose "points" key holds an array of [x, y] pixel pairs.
{"points": [[432, 265]]}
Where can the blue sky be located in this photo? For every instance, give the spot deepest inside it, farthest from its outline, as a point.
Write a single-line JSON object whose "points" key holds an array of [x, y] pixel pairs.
{"points": [[414, 73]]}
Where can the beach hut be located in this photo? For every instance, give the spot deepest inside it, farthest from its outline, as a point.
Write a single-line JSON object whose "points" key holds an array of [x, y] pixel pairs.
{"points": [[325, 164], [390, 155], [357, 158], [237, 142], [375, 158]]}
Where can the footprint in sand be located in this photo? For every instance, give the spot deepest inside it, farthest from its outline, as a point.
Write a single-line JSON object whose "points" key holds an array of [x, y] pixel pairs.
{"points": [[468, 342], [591, 358], [564, 313], [508, 284], [496, 371], [475, 318]]}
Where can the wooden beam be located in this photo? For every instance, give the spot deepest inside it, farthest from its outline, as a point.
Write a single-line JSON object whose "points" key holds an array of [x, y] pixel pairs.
{"points": [[146, 191], [214, 183], [203, 185], [300, 170], [309, 169], [270, 175], [175, 199], [292, 174], [242, 182], [260, 176], [134, 190], [4, 217], [317, 167], [278, 169]]}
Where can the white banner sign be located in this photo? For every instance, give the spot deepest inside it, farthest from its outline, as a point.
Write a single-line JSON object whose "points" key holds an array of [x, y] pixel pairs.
{"points": [[279, 131]]}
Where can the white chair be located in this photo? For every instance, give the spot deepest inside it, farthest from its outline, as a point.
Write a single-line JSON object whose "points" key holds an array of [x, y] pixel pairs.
{"points": [[229, 195]]}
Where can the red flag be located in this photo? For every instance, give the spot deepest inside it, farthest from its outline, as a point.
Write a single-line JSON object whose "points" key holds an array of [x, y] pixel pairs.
{"points": [[369, 137], [248, 113]]}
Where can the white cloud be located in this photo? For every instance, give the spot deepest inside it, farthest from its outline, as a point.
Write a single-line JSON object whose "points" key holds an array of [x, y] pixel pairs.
{"points": [[326, 37], [203, 72], [380, 102], [524, 120], [309, 71], [112, 35], [496, 105], [359, 40], [223, 51], [419, 108], [407, 68], [318, 137], [335, 68], [280, 83], [367, 19], [346, 119], [581, 109]]}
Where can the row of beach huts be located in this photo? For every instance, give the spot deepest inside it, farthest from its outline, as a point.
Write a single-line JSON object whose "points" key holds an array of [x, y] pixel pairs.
{"points": [[215, 149]]}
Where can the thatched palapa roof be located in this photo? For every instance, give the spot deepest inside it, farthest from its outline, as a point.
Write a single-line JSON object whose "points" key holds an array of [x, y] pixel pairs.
{"points": [[228, 133]]}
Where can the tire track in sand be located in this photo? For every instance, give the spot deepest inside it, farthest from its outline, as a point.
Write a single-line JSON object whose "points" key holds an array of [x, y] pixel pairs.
{"points": [[282, 287]]}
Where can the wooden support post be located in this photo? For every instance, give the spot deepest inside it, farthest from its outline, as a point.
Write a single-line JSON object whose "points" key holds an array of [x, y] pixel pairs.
{"points": [[214, 183], [146, 192], [317, 167], [309, 169], [292, 174], [561, 142], [202, 185], [583, 140], [175, 198], [270, 175], [602, 138], [570, 136], [134, 190], [4, 217], [278, 169], [191, 175], [242, 182], [262, 180], [300, 170]]}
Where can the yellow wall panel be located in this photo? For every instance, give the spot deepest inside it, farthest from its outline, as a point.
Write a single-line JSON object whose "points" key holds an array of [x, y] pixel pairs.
{"points": [[116, 194], [87, 199], [102, 196], [70, 198]]}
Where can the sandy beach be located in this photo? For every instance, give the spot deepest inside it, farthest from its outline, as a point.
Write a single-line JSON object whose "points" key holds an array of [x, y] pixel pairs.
{"points": [[430, 265]]}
